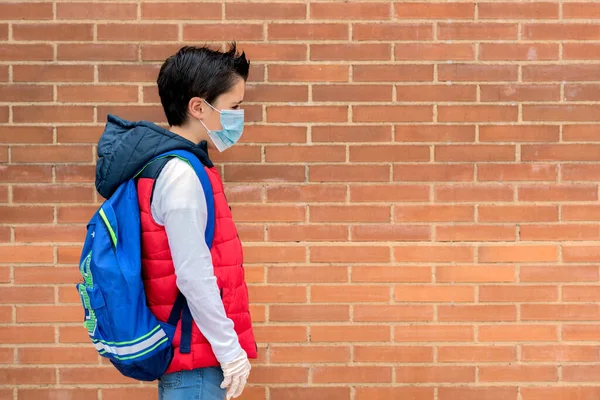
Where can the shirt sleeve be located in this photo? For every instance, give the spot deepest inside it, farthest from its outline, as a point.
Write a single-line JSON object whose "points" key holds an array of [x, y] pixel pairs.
{"points": [[179, 205]]}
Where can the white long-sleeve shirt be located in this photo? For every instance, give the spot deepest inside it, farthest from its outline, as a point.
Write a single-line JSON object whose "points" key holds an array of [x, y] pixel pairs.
{"points": [[179, 205]]}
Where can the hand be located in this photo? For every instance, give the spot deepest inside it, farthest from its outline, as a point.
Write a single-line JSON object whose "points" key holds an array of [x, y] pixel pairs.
{"points": [[236, 374]]}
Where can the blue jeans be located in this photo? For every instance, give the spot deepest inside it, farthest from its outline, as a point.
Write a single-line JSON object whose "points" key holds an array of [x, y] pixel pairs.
{"points": [[198, 384]]}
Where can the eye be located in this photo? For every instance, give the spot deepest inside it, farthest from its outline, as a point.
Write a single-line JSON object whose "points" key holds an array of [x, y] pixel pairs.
{"points": [[236, 107]]}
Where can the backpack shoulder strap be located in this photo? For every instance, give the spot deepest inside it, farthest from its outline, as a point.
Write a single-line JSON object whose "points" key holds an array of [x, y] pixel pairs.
{"points": [[155, 166]]}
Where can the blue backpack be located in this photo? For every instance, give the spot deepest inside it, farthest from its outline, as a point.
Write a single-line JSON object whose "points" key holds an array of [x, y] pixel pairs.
{"points": [[117, 318]]}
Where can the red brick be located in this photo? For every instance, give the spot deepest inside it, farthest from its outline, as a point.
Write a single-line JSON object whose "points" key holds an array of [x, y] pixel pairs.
{"points": [[308, 233], [474, 72], [53, 73], [477, 113], [475, 274], [508, 294], [27, 295], [571, 232], [571, 393], [128, 73], [53, 32], [389, 153], [251, 173], [562, 31], [391, 274], [577, 253], [559, 312], [575, 133], [474, 153], [52, 194], [349, 254], [476, 393], [354, 133], [474, 193], [45, 275], [133, 393], [92, 375], [581, 10], [395, 73], [571, 273], [221, 32], [137, 32], [301, 393], [356, 11], [564, 353], [25, 173], [437, 93], [307, 113], [26, 52], [305, 154], [431, 374], [580, 213], [538, 213], [391, 31], [318, 31], [434, 213], [260, 11], [275, 52], [280, 294], [349, 173], [73, 214], [518, 373], [345, 333], [582, 92], [393, 354], [433, 333], [48, 314], [518, 253], [517, 333], [312, 313], [26, 11], [474, 233], [579, 373], [280, 334], [558, 193], [580, 293], [579, 332], [57, 355], [352, 374], [97, 52], [349, 294], [26, 93], [350, 52], [52, 154], [3, 73], [478, 354], [306, 193], [75, 173], [382, 393], [434, 253], [133, 113], [53, 233], [560, 73], [429, 11], [183, 10], [392, 113], [281, 254], [346, 93], [97, 93], [376, 233], [435, 133], [581, 51], [523, 52], [561, 113], [516, 10], [272, 134], [436, 294], [26, 254], [520, 172], [312, 354], [307, 274], [433, 173], [268, 213], [396, 313], [122, 11], [28, 376], [518, 133], [477, 31], [53, 114]]}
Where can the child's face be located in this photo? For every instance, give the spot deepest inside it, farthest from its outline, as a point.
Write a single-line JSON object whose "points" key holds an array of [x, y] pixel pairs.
{"points": [[230, 100]]}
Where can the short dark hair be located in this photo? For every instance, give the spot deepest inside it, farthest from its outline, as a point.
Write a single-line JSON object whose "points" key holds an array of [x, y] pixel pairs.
{"points": [[198, 72]]}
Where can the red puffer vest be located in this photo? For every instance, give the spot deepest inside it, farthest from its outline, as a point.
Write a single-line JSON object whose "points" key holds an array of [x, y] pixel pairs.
{"points": [[159, 273]]}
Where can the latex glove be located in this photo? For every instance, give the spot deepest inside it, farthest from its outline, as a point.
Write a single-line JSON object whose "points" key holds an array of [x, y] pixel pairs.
{"points": [[236, 375]]}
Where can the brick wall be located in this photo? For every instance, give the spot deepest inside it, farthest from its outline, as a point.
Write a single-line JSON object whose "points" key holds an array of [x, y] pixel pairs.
{"points": [[417, 190]]}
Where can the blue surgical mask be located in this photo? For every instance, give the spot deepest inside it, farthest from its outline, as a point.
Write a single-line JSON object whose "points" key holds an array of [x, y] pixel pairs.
{"points": [[232, 126]]}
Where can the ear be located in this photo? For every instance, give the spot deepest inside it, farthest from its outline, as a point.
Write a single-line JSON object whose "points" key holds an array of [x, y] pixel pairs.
{"points": [[197, 108]]}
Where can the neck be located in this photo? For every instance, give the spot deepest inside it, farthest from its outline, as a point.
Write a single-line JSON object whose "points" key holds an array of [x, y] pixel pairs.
{"points": [[193, 134]]}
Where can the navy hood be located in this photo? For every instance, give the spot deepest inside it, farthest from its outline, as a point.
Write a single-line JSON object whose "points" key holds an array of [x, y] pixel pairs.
{"points": [[125, 147]]}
